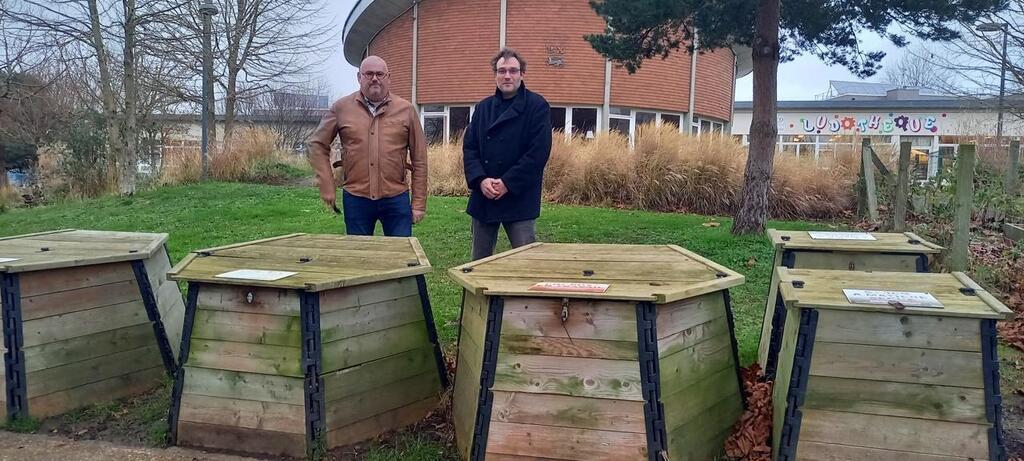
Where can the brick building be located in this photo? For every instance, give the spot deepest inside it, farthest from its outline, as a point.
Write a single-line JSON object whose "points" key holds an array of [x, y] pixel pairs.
{"points": [[439, 54]]}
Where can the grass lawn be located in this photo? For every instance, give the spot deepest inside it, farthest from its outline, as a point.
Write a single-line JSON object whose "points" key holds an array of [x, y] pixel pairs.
{"points": [[221, 213]]}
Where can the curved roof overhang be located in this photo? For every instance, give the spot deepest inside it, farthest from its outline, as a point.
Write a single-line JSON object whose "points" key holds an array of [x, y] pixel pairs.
{"points": [[366, 19], [369, 17]]}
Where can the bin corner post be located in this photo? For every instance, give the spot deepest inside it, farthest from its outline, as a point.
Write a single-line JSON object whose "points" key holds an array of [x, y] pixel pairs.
{"points": [[993, 398], [775, 341], [428, 316], [735, 345], [191, 300], [650, 379], [14, 358], [922, 263], [316, 434], [482, 424], [153, 313], [797, 385]]}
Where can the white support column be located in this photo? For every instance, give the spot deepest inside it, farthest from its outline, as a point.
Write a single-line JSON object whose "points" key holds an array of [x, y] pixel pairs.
{"points": [[415, 50], [606, 107], [501, 30]]}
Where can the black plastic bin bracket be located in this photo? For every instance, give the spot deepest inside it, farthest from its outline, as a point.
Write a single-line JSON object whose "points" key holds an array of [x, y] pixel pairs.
{"points": [[153, 312], [309, 310], [790, 433], [14, 358], [650, 379], [485, 401], [993, 398]]}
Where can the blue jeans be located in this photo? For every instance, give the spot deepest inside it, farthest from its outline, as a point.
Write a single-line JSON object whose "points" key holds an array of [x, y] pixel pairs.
{"points": [[362, 214]]}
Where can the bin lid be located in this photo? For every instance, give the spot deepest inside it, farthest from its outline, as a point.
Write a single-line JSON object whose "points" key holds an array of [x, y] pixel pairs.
{"points": [[958, 295], [71, 248], [872, 242], [310, 262], [659, 273]]}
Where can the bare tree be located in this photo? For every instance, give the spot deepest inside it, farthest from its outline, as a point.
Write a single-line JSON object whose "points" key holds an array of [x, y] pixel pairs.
{"points": [[291, 112], [917, 69], [259, 45]]}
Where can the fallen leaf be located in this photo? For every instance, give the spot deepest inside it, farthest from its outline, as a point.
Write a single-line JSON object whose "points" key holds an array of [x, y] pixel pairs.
{"points": [[712, 224]]}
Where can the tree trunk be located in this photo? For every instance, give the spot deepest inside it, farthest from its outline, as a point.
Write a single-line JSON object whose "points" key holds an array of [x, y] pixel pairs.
{"points": [[753, 211], [115, 146], [129, 165], [3, 166], [230, 105]]}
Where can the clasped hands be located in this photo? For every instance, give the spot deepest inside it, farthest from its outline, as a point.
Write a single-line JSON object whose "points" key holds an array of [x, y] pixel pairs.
{"points": [[493, 189]]}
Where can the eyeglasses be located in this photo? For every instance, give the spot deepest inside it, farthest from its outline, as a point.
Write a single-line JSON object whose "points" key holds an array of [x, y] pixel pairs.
{"points": [[512, 71], [371, 75]]}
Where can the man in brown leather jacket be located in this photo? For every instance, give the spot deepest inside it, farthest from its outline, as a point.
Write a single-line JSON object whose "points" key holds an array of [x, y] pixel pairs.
{"points": [[381, 138]]}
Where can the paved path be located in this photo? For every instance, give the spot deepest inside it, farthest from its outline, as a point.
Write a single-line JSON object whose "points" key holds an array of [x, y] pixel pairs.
{"points": [[40, 447]]}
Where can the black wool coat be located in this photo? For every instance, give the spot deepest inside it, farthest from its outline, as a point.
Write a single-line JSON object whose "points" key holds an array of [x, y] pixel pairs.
{"points": [[513, 146]]}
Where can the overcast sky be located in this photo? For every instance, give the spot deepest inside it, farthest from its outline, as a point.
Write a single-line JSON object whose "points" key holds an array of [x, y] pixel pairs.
{"points": [[800, 79]]}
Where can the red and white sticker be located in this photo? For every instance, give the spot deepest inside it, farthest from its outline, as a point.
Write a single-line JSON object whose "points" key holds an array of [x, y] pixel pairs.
{"points": [[576, 287]]}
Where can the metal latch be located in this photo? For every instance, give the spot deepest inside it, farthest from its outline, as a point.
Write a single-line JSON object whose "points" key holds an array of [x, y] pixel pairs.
{"points": [[565, 309], [897, 305], [853, 266]]}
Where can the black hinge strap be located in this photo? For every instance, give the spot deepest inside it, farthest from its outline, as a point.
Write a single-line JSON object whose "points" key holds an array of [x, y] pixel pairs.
{"points": [[482, 424]]}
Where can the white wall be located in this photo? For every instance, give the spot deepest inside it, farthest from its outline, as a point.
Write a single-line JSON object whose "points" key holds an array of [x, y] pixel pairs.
{"points": [[884, 122]]}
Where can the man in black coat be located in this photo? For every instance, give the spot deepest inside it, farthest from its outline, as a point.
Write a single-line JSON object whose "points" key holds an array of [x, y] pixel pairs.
{"points": [[506, 147]]}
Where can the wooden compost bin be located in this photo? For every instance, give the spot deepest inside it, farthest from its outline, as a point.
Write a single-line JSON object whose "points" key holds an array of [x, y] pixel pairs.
{"points": [[88, 317], [891, 252], [645, 368], [341, 351], [864, 381]]}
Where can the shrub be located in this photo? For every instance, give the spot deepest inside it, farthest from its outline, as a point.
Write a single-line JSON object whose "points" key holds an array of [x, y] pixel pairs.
{"points": [[253, 157]]}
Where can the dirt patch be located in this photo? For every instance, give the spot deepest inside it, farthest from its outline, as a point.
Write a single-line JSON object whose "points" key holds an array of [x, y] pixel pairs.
{"points": [[135, 421]]}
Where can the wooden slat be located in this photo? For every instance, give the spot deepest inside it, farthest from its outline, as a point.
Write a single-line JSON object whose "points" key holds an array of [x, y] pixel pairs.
{"points": [[157, 267], [769, 312], [692, 336], [13, 237], [602, 320], [602, 271], [564, 442], [323, 258], [273, 301], [86, 347], [250, 414], [250, 243], [689, 366], [233, 438], [884, 329], [694, 402], [277, 330], [985, 296], [40, 283], [703, 438], [563, 411], [246, 357], [893, 433], [88, 371], [106, 390], [610, 379], [386, 396], [368, 376], [82, 323], [859, 261], [172, 313], [683, 315], [904, 365], [883, 243], [63, 302], [568, 347], [372, 293], [958, 404], [815, 451], [231, 384], [369, 347], [369, 318], [372, 427]]}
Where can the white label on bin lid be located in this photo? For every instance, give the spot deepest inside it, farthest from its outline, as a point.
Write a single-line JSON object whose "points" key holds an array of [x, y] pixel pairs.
{"points": [[840, 235], [906, 298], [577, 287], [256, 274], [8, 260]]}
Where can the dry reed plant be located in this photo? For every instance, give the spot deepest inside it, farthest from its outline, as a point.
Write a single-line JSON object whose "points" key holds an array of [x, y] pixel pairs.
{"points": [[253, 152], [670, 171]]}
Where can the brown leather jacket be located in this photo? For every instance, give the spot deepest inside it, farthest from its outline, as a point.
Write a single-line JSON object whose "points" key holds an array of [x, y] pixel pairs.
{"points": [[376, 150]]}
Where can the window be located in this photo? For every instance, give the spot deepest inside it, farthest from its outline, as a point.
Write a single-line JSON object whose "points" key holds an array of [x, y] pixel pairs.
{"points": [[434, 123], [619, 124], [558, 118], [458, 120], [645, 118], [705, 126], [670, 119], [584, 122]]}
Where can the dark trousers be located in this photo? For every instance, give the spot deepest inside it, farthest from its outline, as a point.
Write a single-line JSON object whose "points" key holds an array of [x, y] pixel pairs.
{"points": [[362, 214], [485, 235]]}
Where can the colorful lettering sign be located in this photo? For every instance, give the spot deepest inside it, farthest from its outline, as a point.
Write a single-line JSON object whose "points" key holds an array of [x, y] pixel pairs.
{"points": [[881, 124]]}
